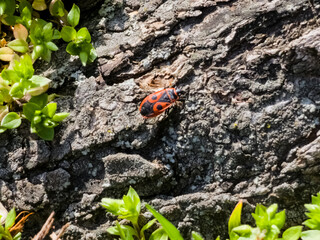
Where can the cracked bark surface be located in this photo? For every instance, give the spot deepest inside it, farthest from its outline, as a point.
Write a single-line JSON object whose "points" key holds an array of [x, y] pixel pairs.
{"points": [[248, 128]]}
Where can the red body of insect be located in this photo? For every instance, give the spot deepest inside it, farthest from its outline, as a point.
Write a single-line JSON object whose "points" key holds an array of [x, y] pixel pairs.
{"points": [[158, 102]]}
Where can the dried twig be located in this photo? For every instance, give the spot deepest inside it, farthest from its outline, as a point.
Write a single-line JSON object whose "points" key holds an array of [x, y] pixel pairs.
{"points": [[45, 228], [63, 229]]}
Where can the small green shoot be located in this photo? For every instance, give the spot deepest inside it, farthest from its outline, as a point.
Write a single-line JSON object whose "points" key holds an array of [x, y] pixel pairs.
{"points": [[79, 41], [21, 79], [10, 121], [41, 36], [170, 229], [6, 232], [7, 8], [196, 236], [269, 223], [27, 39], [235, 217], [43, 116]]}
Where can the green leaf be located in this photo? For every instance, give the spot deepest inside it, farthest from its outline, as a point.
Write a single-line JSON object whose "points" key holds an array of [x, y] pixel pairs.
{"points": [[7, 7], [49, 123], [56, 8], [59, 117], [261, 216], [310, 235], [68, 33], [37, 51], [121, 232], [312, 224], [44, 132], [159, 234], [73, 49], [39, 5], [127, 230], [218, 238], [11, 120], [40, 100], [37, 119], [83, 58], [29, 110], [47, 32], [242, 230], [50, 109], [35, 91], [17, 236], [9, 20], [2, 129], [51, 46], [39, 80], [10, 218], [146, 226], [312, 207], [170, 229], [56, 34], [3, 111], [131, 207], [279, 219], [19, 45], [52, 96], [112, 205], [10, 75], [25, 18], [273, 232], [196, 236], [292, 233], [83, 35], [24, 4], [6, 54], [4, 94], [235, 217], [316, 199], [314, 213], [234, 236], [74, 15], [92, 55], [46, 55], [271, 211], [17, 90], [24, 68]]}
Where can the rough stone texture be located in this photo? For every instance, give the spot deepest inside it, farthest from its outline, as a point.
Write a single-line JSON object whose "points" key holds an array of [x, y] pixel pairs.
{"points": [[248, 128]]}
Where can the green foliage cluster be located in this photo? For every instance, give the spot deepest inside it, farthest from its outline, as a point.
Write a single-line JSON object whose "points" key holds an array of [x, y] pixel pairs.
{"points": [[129, 208], [268, 222], [5, 233], [24, 39]]}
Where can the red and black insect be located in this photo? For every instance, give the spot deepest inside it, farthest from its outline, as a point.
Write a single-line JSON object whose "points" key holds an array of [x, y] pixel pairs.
{"points": [[158, 102]]}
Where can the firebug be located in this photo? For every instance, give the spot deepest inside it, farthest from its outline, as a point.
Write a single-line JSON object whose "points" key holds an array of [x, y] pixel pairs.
{"points": [[158, 102]]}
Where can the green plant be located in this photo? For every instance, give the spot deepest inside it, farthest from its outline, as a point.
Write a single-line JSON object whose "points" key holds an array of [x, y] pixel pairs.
{"points": [[7, 8], [27, 39], [129, 208], [314, 219], [5, 230], [79, 41], [41, 36], [43, 116], [268, 221], [21, 80]]}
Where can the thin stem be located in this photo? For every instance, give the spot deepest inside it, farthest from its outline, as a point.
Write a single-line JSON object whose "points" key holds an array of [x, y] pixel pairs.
{"points": [[137, 228]]}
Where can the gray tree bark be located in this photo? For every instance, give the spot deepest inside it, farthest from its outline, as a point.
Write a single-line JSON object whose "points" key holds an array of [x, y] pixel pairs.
{"points": [[248, 128]]}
